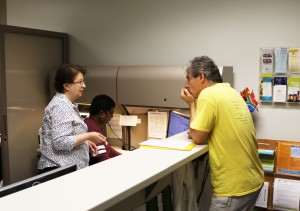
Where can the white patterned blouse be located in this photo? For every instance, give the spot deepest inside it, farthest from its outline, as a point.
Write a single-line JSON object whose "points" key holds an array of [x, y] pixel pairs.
{"points": [[61, 122]]}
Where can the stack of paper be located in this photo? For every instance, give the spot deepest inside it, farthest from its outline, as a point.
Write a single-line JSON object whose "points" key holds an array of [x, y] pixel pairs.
{"points": [[168, 144], [267, 159], [286, 194], [262, 200]]}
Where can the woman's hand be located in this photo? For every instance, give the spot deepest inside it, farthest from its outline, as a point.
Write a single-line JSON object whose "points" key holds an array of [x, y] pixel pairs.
{"points": [[94, 137], [93, 147], [97, 138]]}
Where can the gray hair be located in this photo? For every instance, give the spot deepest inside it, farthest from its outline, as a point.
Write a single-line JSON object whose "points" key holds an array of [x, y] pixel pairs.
{"points": [[207, 66]]}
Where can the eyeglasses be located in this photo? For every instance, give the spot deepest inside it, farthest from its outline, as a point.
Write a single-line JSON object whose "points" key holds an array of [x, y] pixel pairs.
{"points": [[81, 82]]}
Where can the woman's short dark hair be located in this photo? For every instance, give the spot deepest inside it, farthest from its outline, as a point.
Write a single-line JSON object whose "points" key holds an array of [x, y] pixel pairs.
{"points": [[101, 103], [66, 74], [207, 66]]}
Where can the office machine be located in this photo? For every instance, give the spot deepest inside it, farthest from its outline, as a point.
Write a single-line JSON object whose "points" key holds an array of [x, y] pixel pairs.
{"points": [[138, 90]]}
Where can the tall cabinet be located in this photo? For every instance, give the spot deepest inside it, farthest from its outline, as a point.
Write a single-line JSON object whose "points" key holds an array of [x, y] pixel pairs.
{"points": [[27, 56]]}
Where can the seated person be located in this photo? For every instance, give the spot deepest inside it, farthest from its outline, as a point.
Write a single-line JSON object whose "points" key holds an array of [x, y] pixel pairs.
{"points": [[101, 112]]}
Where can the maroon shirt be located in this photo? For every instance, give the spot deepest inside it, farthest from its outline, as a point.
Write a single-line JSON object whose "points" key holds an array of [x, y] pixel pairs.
{"points": [[110, 152]]}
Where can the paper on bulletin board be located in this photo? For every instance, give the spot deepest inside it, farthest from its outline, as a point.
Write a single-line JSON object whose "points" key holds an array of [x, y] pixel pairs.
{"points": [[157, 124], [288, 158], [286, 194]]}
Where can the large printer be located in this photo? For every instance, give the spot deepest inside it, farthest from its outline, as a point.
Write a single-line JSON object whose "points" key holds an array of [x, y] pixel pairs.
{"points": [[139, 89]]}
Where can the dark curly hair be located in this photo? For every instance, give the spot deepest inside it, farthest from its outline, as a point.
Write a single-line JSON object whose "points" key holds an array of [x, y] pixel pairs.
{"points": [[101, 103]]}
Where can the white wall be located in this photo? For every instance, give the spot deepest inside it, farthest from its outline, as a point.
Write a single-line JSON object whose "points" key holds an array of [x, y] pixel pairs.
{"points": [[172, 32]]}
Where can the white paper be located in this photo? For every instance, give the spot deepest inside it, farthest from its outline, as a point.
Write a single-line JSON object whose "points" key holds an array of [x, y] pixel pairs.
{"points": [[262, 200], [168, 143], [286, 194], [157, 124], [128, 120], [267, 88], [116, 129], [295, 151]]}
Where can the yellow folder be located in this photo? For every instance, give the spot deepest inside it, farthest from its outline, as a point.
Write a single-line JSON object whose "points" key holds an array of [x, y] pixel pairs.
{"points": [[168, 144]]}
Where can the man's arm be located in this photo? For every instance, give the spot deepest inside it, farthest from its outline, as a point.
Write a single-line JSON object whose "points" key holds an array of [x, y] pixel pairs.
{"points": [[199, 137]]}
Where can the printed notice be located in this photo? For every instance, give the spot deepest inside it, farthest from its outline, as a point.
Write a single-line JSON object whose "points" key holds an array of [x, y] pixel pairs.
{"points": [[286, 194], [129, 120], [288, 158], [157, 124], [114, 129]]}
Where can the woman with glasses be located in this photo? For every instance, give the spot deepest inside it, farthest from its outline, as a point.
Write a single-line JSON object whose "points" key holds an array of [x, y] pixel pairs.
{"points": [[65, 137]]}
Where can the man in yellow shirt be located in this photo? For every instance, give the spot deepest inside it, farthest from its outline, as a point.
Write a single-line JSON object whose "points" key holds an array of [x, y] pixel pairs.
{"points": [[220, 117]]}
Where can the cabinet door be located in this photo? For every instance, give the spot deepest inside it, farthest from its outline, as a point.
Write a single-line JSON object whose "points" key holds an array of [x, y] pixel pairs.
{"points": [[28, 60]]}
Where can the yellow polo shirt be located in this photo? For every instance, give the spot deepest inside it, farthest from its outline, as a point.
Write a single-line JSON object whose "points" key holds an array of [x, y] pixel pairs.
{"points": [[235, 166]]}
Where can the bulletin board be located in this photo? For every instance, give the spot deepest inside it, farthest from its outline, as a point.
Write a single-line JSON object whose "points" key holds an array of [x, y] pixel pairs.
{"points": [[288, 158]]}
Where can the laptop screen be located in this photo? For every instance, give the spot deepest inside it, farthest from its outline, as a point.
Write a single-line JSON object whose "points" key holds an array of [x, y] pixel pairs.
{"points": [[178, 123]]}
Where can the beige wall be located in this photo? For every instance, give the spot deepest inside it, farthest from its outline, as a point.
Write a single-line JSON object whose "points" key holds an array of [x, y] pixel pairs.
{"points": [[3, 12], [171, 32]]}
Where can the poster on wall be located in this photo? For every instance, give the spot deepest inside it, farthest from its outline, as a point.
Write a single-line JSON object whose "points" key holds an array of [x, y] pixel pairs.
{"points": [[288, 158]]}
